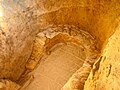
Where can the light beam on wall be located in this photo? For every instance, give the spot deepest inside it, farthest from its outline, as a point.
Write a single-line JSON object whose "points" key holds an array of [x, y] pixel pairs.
{"points": [[1, 13]]}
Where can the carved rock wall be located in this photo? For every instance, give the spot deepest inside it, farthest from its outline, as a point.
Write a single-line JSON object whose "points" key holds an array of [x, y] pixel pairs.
{"points": [[105, 72], [21, 49]]}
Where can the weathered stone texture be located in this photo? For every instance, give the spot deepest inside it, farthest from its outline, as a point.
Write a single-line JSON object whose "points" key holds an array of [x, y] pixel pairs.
{"points": [[31, 30]]}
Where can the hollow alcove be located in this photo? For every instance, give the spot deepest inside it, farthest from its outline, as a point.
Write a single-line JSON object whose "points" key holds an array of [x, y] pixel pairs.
{"points": [[64, 53], [54, 70], [59, 45]]}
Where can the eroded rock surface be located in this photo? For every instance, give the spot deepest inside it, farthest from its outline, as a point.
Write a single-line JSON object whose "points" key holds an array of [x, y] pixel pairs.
{"points": [[35, 35], [66, 50], [105, 76], [16, 37]]}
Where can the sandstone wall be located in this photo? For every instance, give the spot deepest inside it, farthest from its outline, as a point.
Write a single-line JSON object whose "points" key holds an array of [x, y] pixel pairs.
{"points": [[21, 20], [105, 72]]}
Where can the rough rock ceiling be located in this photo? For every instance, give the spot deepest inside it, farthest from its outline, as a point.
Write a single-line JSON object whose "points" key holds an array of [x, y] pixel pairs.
{"points": [[59, 44]]}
